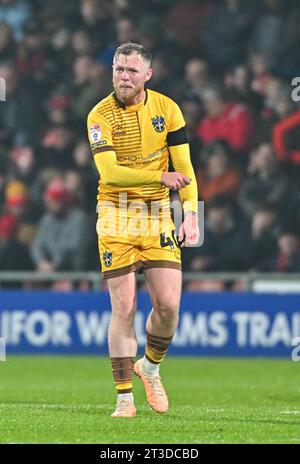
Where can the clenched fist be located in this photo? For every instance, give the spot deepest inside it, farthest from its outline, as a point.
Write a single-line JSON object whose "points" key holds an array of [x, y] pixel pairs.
{"points": [[174, 180]]}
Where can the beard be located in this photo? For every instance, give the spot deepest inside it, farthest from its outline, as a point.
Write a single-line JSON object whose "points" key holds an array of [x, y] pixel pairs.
{"points": [[126, 95]]}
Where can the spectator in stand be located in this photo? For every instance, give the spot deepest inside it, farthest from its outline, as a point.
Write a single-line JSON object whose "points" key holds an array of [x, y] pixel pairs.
{"points": [[20, 205], [99, 85], [23, 167], [192, 111], [265, 182], [225, 238], [14, 255], [238, 84], [162, 76], [88, 175], [125, 30], [196, 78], [219, 176], [19, 121], [278, 18], [7, 43], [264, 231], [74, 187], [287, 258], [3, 171], [57, 145], [286, 132], [89, 181], [15, 13], [16, 194], [153, 35], [229, 121], [267, 116], [260, 70], [77, 194], [58, 245], [81, 43], [184, 19], [30, 60], [60, 57], [58, 108], [82, 70], [87, 72], [225, 33], [86, 95], [97, 16]]}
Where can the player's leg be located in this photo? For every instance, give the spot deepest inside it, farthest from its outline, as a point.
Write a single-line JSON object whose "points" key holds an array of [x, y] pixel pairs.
{"points": [[119, 255], [122, 340], [165, 289]]}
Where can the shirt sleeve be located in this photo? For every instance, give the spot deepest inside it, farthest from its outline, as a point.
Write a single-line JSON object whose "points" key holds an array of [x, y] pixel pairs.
{"points": [[99, 133], [180, 155], [176, 118]]}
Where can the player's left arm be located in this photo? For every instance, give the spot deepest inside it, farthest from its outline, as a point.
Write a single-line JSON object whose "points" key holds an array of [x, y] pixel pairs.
{"points": [[180, 155]]}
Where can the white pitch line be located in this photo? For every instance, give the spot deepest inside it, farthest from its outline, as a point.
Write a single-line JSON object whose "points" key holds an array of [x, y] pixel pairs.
{"points": [[214, 410], [290, 412], [51, 406]]}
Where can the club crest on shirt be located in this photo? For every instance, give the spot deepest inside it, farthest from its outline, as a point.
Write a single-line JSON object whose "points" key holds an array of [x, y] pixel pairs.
{"points": [[158, 122], [107, 258], [96, 133]]}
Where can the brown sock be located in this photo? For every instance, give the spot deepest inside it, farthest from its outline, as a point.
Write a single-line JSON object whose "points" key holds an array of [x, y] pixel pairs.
{"points": [[122, 369], [156, 347]]}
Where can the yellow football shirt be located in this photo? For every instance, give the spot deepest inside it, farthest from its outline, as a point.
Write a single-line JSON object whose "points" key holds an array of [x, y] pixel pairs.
{"points": [[137, 136]]}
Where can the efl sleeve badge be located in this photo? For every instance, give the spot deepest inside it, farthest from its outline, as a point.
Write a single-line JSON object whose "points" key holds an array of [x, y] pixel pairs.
{"points": [[96, 133]]}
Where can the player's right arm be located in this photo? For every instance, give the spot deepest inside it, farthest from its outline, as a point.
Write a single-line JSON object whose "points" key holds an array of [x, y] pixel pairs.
{"points": [[100, 137]]}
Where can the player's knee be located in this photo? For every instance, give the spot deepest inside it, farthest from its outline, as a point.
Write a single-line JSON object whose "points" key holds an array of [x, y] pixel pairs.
{"points": [[166, 307], [124, 308]]}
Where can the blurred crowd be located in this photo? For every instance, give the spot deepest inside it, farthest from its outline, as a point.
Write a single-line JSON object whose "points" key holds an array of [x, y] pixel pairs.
{"points": [[229, 64]]}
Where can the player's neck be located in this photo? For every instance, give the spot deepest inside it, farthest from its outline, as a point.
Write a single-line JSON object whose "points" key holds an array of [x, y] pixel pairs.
{"points": [[136, 99]]}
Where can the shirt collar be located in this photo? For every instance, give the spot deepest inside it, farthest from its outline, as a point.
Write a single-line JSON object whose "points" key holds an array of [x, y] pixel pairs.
{"points": [[131, 108]]}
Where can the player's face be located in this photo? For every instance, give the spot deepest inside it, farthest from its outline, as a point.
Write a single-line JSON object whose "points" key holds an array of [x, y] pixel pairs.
{"points": [[130, 72]]}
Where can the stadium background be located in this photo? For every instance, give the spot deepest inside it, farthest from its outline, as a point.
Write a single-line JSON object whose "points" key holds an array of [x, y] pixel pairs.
{"points": [[230, 65]]}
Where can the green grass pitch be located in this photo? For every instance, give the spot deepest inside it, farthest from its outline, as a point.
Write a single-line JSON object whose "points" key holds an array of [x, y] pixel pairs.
{"points": [[48, 399]]}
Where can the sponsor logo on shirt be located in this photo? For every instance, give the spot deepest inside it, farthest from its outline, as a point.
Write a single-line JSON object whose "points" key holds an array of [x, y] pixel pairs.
{"points": [[98, 144]]}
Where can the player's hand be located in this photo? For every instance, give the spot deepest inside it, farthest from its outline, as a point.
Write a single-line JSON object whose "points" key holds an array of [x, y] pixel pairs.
{"points": [[174, 180], [189, 233]]}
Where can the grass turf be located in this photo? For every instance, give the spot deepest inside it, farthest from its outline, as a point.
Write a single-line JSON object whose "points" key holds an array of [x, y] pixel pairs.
{"points": [[69, 400]]}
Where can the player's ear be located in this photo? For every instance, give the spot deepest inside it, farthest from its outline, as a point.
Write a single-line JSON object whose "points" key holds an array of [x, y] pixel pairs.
{"points": [[148, 74]]}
